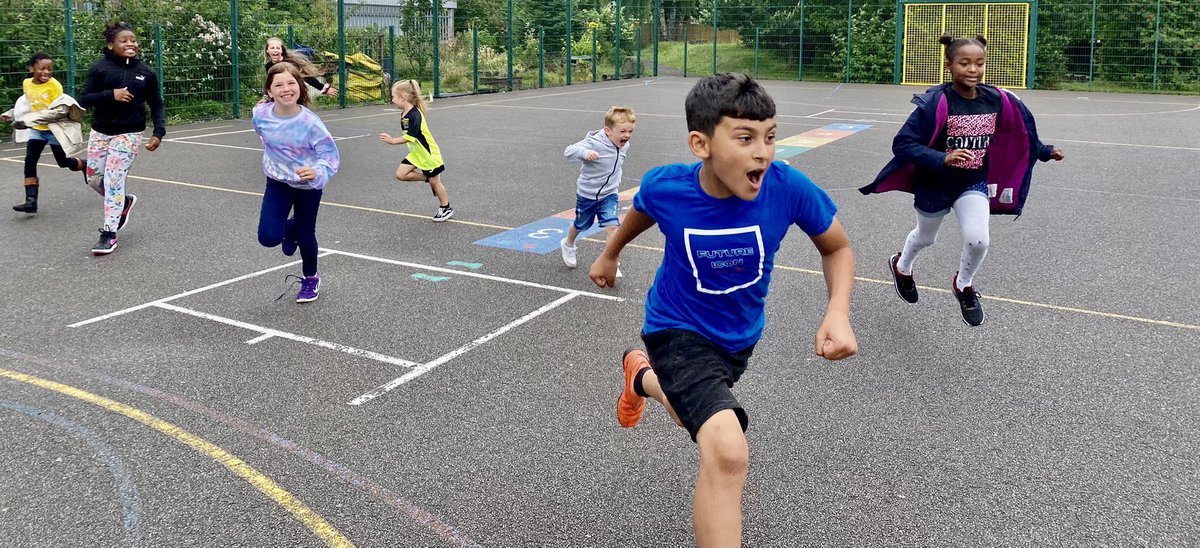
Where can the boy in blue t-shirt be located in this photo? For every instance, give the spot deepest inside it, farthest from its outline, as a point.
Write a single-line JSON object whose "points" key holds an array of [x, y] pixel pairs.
{"points": [[723, 218]]}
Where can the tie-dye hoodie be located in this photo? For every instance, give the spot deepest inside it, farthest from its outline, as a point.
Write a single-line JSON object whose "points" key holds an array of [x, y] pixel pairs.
{"points": [[293, 142]]}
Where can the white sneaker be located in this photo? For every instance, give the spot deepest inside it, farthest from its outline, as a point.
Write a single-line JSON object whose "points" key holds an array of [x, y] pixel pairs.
{"points": [[568, 253]]}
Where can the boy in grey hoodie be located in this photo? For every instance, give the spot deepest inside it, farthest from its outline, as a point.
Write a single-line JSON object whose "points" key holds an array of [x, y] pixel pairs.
{"points": [[600, 154]]}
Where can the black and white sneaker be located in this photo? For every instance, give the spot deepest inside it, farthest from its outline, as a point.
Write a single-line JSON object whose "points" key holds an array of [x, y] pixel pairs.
{"points": [[443, 214], [107, 243], [968, 300], [906, 287]]}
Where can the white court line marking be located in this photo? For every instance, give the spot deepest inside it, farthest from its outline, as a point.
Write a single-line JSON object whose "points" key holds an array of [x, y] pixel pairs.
{"points": [[1112, 114], [840, 111], [470, 274], [173, 131], [427, 367], [218, 145], [820, 113], [290, 336], [1121, 144], [202, 135], [184, 294], [1170, 198], [260, 338]]}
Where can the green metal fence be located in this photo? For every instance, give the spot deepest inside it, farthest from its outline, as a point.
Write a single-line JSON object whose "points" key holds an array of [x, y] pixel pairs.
{"points": [[209, 52]]}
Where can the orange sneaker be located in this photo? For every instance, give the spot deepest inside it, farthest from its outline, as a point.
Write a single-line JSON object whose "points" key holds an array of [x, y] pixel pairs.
{"points": [[630, 405]]}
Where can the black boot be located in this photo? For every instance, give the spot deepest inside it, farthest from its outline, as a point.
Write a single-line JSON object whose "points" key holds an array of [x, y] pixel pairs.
{"points": [[31, 193]]}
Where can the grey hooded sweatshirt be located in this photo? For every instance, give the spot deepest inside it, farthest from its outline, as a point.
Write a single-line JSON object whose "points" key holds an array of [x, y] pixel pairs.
{"points": [[602, 176]]}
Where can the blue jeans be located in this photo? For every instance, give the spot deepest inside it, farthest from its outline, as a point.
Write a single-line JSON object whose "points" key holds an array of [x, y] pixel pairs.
{"points": [[587, 211], [279, 200]]}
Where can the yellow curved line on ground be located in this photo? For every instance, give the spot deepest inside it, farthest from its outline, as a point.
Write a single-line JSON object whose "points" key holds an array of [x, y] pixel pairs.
{"points": [[654, 248], [317, 524]]}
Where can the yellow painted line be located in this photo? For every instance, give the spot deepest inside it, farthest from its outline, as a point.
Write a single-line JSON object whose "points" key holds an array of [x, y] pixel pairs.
{"points": [[1112, 315], [317, 524]]}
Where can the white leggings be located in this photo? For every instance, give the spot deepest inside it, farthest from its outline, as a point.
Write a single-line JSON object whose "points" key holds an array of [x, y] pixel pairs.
{"points": [[972, 210]]}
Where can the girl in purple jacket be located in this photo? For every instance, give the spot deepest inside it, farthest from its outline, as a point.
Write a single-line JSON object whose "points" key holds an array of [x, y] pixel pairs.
{"points": [[968, 148]]}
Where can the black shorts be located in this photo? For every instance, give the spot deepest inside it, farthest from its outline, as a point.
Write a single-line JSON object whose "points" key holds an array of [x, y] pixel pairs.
{"points": [[696, 375], [430, 173]]}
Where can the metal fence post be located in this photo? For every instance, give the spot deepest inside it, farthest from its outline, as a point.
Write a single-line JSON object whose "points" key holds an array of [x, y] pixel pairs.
{"points": [[656, 38], [1157, 38], [541, 59], [570, 43], [392, 56], [800, 47], [437, 46], [617, 48], [714, 59], [291, 43], [341, 22], [475, 57], [756, 52], [234, 49], [849, 34], [509, 27], [158, 62], [1092, 49], [898, 59], [685, 48], [69, 28], [594, 59]]}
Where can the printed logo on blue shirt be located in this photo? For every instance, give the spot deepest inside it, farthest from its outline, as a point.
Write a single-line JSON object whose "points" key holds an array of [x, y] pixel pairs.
{"points": [[725, 260]]}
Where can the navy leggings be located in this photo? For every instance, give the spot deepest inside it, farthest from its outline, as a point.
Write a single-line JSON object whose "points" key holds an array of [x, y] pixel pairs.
{"points": [[279, 200]]}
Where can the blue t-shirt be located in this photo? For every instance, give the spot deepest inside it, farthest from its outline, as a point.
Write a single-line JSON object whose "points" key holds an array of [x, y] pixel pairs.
{"points": [[720, 251]]}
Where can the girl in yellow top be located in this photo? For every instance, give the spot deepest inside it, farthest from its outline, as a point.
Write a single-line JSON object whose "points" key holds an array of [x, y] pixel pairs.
{"points": [[41, 90], [424, 160]]}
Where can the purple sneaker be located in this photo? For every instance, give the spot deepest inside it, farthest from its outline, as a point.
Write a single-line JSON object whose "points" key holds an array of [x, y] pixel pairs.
{"points": [[308, 289]]}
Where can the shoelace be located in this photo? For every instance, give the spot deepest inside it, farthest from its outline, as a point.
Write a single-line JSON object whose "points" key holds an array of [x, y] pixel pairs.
{"points": [[296, 280]]}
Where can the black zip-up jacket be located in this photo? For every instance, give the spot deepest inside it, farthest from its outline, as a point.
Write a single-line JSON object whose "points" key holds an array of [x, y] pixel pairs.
{"points": [[111, 117]]}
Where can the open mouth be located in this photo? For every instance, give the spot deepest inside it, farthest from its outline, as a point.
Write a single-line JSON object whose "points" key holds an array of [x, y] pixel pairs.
{"points": [[755, 178]]}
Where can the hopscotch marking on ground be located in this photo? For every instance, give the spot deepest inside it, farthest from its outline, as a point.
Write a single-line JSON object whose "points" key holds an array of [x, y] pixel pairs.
{"points": [[416, 368], [268, 333], [427, 367]]}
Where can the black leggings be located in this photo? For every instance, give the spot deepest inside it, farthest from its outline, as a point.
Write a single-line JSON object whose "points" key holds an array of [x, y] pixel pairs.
{"points": [[33, 153]]}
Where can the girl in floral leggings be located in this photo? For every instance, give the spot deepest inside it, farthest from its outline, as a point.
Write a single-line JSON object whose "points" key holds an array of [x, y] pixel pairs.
{"points": [[118, 89]]}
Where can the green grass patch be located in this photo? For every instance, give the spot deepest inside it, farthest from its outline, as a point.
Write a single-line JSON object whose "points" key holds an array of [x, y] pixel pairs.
{"points": [[730, 58]]}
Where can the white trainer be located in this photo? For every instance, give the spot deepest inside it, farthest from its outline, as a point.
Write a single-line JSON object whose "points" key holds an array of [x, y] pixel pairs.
{"points": [[568, 253]]}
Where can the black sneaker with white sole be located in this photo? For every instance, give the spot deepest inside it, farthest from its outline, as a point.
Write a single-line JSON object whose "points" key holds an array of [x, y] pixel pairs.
{"points": [[107, 243], [968, 301], [906, 286]]}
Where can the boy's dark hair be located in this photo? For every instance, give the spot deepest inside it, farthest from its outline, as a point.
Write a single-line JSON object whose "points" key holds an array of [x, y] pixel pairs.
{"points": [[952, 45], [726, 94], [33, 59], [114, 28]]}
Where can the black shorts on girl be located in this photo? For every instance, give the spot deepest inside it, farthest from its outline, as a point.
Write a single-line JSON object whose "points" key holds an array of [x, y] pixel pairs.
{"points": [[696, 375], [935, 201], [429, 173]]}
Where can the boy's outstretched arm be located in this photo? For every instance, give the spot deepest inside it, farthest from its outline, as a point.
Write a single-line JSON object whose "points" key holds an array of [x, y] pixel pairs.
{"points": [[604, 270], [835, 338]]}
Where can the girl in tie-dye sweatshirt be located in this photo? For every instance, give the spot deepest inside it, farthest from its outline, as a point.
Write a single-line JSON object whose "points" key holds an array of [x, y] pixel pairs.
{"points": [[299, 158]]}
